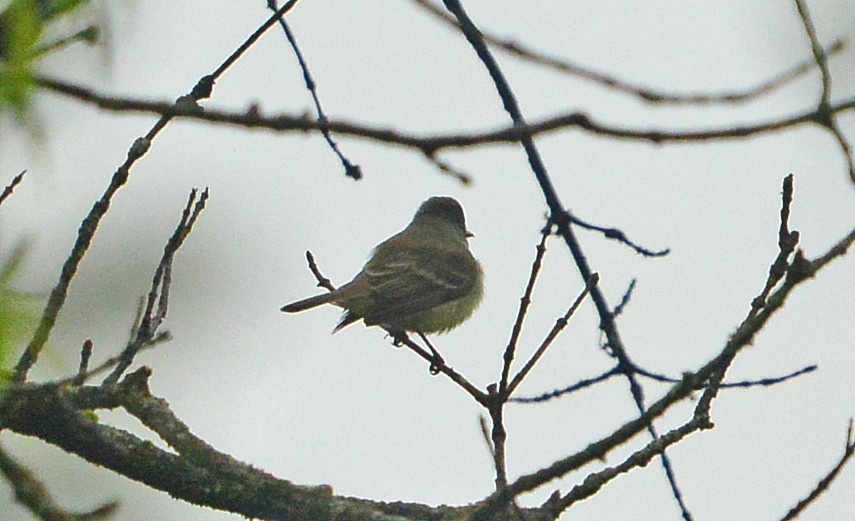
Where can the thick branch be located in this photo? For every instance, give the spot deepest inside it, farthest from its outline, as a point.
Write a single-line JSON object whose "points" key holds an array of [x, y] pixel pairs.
{"points": [[198, 473]]}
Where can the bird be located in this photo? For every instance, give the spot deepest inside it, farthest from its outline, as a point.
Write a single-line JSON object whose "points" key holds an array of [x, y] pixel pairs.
{"points": [[423, 279]]}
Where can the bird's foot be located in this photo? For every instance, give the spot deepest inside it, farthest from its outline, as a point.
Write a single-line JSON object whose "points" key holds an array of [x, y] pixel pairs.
{"points": [[437, 363]]}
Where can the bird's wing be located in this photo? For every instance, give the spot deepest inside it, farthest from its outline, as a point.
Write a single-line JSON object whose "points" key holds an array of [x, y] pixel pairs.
{"points": [[415, 280]]}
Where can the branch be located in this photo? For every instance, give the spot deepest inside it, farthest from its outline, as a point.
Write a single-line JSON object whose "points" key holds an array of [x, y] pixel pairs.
{"points": [[402, 339], [152, 318], [90, 223], [525, 302], [560, 324], [429, 145], [195, 473], [801, 270], [595, 481], [11, 186], [829, 119], [31, 493], [556, 208], [610, 82], [617, 235], [581, 384], [739, 384], [350, 170], [823, 484]]}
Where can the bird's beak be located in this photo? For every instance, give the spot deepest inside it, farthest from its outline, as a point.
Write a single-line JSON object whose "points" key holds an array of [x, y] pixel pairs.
{"points": [[469, 234]]}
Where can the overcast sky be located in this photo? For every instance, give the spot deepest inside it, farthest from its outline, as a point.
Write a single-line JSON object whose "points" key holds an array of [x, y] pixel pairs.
{"points": [[280, 392]]}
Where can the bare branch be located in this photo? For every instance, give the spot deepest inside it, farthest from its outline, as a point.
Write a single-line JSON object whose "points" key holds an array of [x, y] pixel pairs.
{"points": [[159, 292], [90, 223], [740, 384], [525, 302], [482, 423], [714, 370], [350, 170], [160, 338], [478, 395], [624, 301], [249, 42], [558, 214], [610, 82], [429, 145], [787, 242], [823, 484], [323, 282], [11, 186], [498, 437], [829, 119], [194, 472], [560, 324], [581, 384], [447, 168], [617, 235], [615, 371], [597, 480], [32, 494], [83, 368], [400, 338]]}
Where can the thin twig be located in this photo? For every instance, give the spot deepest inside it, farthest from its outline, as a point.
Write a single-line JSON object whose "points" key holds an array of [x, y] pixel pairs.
{"points": [[447, 168], [478, 395], [581, 384], [90, 223], [485, 434], [618, 235], [787, 242], [823, 484], [742, 336], [624, 301], [87, 34], [525, 302], [829, 119], [158, 294], [32, 494], [163, 336], [83, 368], [646, 94], [560, 324], [323, 282], [597, 480], [11, 186], [350, 170], [249, 42], [740, 384], [819, 55], [588, 382]]}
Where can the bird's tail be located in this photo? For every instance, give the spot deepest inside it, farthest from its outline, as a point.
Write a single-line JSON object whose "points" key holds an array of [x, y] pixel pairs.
{"points": [[309, 303]]}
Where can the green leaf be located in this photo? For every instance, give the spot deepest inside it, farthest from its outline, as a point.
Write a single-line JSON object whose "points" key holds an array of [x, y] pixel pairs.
{"points": [[22, 25], [19, 311], [20, 28], [60, 7]]}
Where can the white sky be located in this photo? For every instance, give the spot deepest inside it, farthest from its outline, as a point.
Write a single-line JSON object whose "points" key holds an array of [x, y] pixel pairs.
{"points": [[350, 411]]}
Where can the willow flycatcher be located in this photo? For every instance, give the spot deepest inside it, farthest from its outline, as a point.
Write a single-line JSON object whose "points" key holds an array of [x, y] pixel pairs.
{"points": [[423, 279]]}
